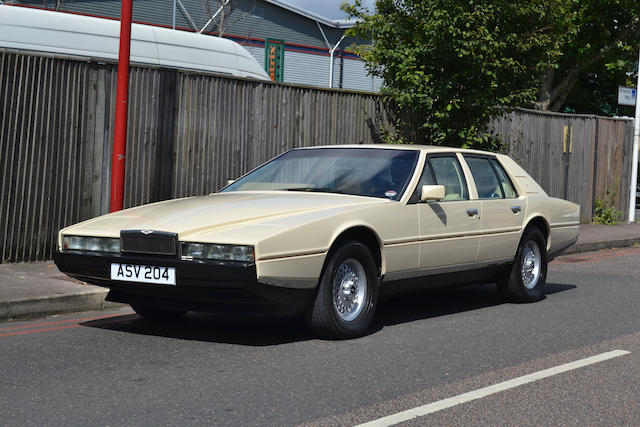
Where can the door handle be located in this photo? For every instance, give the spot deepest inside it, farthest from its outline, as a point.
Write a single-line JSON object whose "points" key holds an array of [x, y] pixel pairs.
{"points": [[516, 209], [472, 212]]}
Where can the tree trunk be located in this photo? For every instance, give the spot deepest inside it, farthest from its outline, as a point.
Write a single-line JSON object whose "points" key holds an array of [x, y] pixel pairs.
{"points": [[562, 90], [551, 97], [558, 101], [221, 23], [544, 96]]}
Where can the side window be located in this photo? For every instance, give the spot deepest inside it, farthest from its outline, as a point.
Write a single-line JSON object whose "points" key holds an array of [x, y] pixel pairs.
{"points": [[427, 176], [447, 172], [507, 186], [486, 181]]}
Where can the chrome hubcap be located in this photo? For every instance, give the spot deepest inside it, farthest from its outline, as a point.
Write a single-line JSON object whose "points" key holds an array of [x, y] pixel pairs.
{"points": [[349, 289], [530, 266]]}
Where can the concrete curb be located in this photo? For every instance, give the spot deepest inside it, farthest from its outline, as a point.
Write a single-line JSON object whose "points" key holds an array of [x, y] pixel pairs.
{"points": [[594, 246], [55, 304]]}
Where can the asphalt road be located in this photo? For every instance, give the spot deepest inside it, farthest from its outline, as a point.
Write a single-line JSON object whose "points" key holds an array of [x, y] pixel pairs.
{"points": [[114, 368]]}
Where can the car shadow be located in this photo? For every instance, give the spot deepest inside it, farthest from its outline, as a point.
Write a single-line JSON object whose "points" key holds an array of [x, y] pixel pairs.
{"points": [[269, 331], [431, 303], [250, 331]]}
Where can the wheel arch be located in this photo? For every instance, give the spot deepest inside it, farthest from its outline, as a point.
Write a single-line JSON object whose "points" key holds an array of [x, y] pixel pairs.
{"points": [[364, 235], [539, 222]]}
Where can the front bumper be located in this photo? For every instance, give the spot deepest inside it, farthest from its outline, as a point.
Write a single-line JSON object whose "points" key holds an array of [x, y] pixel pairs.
{"points": [[212, 286]]}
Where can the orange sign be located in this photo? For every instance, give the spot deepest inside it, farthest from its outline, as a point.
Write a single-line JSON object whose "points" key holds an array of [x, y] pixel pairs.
{"points": [[274, 59]]}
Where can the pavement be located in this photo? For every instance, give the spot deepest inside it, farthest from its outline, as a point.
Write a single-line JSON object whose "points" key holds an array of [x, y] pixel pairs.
{"points": [[39, 289]]}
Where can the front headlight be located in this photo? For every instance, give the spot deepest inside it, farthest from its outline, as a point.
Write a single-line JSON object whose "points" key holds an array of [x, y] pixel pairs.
{"points": [[217, 252], [93, 244]]}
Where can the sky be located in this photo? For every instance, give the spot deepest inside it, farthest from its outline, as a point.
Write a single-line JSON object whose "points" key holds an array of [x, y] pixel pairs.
{"points": [[327, 8]]}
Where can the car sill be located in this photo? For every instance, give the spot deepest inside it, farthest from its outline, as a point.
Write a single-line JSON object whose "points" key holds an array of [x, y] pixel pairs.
{"points": [[412, 274]]}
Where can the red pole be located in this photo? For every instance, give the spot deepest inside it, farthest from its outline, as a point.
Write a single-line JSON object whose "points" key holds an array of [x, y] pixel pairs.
{"points": [[122, 100]]}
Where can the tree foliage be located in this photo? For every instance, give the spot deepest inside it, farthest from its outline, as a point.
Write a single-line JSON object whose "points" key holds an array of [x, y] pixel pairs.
{"points": [[599, 51], [452, 65]]}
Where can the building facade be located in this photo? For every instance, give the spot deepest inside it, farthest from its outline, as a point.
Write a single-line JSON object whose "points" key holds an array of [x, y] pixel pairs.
{"points": [[294, 44]]}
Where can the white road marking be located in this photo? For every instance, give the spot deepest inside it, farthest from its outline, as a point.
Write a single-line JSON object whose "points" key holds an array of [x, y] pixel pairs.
{"points": [[492, 389]]}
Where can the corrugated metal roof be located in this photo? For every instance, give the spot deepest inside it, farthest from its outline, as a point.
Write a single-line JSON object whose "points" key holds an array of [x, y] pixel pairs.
{"points": [[335, 23]]}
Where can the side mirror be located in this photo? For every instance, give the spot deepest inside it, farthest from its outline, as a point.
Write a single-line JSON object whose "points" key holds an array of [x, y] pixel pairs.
{"points": [[432, 192], [230, 181]]}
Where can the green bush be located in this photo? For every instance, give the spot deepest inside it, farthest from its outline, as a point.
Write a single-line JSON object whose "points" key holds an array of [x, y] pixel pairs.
{"points": [[604, 211]]}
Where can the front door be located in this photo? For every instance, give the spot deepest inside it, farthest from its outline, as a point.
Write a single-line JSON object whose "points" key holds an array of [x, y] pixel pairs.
{"points": [[449, 228]]}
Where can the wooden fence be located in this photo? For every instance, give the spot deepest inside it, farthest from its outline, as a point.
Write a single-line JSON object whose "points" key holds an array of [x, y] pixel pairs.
{"points": [[574, 157], [188, 133]]}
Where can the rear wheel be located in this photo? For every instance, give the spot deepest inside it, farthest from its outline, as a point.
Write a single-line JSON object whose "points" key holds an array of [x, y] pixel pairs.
{"points": [[157, 313], [347, 295], [525, 280]]}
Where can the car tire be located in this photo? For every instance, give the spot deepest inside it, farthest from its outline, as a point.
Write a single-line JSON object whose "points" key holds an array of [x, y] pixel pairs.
{"points": [[347, 295], [156, 313], [525, 280]]}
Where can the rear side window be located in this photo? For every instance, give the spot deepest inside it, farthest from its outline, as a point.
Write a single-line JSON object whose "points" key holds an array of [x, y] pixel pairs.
{"points": [[485, 177]]}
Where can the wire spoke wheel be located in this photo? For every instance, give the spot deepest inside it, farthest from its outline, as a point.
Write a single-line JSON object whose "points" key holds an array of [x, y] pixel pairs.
{"points": [[525, 280], [530, 265], [349, 289], [347, 294]]}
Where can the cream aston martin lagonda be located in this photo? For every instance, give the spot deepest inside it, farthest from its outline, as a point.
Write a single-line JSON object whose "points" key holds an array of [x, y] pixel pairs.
{"points": [[323, 231]]}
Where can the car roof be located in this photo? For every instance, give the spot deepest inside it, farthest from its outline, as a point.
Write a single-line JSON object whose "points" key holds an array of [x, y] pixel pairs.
{"points": [[427, 148]]}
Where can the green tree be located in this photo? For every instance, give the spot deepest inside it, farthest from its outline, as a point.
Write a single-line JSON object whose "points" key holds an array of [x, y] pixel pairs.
{"points": [[450, 66], [596, 92], [599, 50]]}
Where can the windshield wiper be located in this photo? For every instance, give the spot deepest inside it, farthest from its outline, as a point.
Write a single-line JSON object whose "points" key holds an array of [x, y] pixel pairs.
{"points": [[312, 190]]}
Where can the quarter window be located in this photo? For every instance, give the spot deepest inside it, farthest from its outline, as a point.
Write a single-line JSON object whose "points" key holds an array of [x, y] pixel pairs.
{"points": [[427, 176]]}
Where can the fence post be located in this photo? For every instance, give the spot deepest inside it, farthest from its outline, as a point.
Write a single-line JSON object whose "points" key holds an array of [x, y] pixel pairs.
{"points": [[567, 148], [595, 166]]}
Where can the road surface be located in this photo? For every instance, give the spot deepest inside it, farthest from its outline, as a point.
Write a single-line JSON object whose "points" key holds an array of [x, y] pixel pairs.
{"points": [[460, 356]]}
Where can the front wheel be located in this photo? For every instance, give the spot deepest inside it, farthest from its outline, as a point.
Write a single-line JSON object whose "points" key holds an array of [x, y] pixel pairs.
{"points": [[347, 295], [525, 280]]}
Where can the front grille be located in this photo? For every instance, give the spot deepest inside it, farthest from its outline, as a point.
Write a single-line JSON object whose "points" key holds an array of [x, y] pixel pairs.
{"points": [[149, 242]]}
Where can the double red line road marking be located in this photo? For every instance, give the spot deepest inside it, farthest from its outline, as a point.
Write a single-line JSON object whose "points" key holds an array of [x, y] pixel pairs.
{"points": [[34, 328], [597, 256]]}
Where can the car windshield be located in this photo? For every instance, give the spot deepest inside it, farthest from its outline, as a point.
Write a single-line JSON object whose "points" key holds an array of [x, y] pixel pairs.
{"points": [[373, 172]]}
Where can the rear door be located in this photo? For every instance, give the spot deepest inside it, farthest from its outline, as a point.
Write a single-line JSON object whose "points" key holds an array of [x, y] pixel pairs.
{"points": [[502, 209]]}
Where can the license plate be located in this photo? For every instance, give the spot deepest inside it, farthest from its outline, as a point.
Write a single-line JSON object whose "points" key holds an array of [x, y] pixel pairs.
{"points": [[143, 273]]}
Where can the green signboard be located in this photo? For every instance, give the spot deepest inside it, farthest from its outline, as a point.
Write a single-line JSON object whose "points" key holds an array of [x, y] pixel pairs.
{"points": [[274, 59]]}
